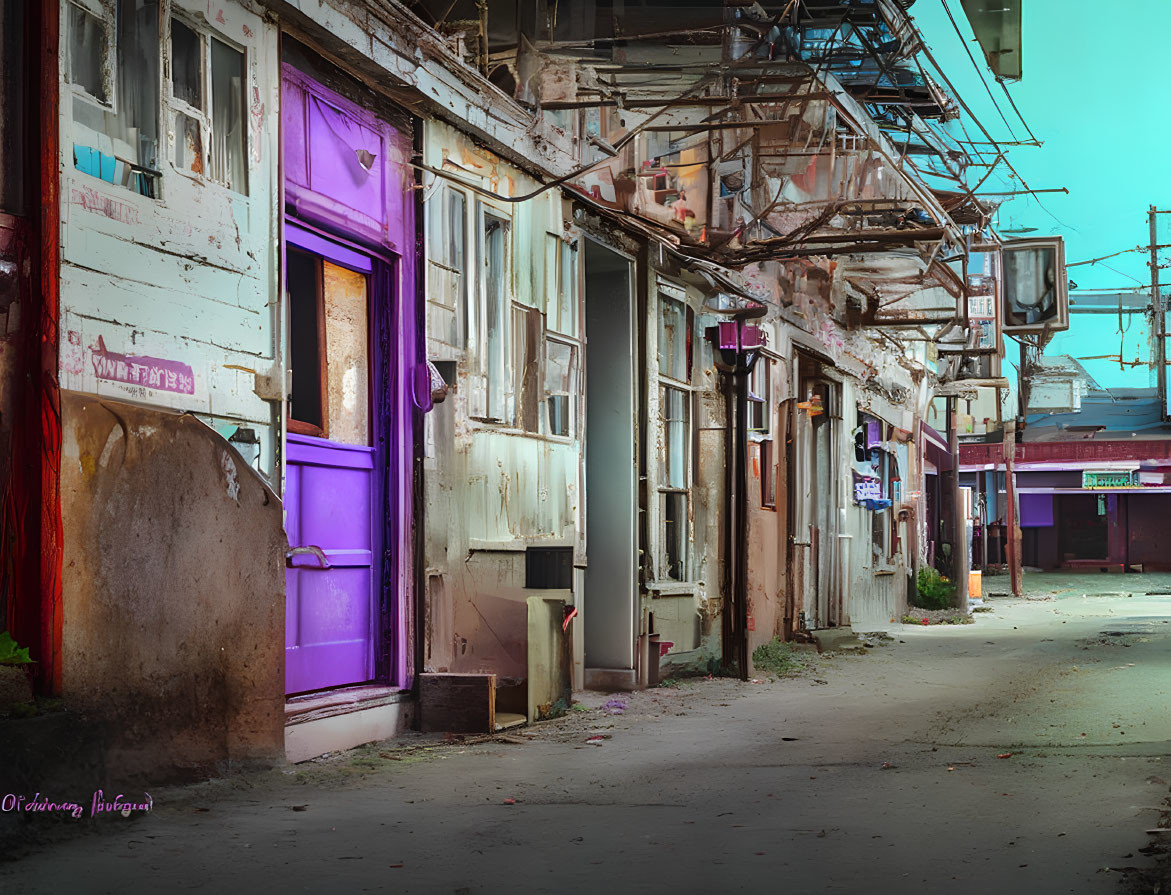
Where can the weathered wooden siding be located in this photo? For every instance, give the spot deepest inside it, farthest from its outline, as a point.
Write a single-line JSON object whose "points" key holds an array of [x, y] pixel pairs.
{"points": [[492, 489], [172, 301]]}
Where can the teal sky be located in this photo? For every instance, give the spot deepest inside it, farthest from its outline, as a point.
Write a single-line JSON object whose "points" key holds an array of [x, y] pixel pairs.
{"points": [[1096, 94]]}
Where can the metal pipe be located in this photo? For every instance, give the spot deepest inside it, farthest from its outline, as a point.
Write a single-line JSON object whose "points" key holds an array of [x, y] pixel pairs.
{"points": [[741, 538], [959, 543], [728, 638]]}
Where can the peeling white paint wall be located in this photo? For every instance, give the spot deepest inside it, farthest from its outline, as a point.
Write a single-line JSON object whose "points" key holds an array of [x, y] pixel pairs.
{"points": [[492, 489], [172, 301]]}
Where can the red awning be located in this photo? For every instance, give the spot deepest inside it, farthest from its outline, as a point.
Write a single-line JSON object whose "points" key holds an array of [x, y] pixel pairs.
{"points": [[935, 448]]}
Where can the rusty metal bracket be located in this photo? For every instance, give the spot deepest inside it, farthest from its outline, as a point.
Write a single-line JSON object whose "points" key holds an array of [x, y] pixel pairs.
{"points": [[310, 550], [267, 385]]}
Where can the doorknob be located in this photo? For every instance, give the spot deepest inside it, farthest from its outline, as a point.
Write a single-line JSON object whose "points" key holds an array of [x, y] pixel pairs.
{"points": [[322, 562]]}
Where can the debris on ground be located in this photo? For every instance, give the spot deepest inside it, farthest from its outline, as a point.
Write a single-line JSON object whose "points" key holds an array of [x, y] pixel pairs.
{"points": [[512, 738], [614, 707], [936, 617], [776, 657], [1156, 879]]}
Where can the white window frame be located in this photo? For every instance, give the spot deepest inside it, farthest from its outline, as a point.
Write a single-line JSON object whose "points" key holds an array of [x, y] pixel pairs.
{"points": [[173, 105], [477, 337], [439, 200], [556, 280], [761, 377], [574, 386], [107, 14], [435, 213], [516, 373], [667, 291]]}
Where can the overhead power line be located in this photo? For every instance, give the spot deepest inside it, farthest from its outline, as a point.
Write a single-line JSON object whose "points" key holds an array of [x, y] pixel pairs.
{"points": [[1111, 255]]}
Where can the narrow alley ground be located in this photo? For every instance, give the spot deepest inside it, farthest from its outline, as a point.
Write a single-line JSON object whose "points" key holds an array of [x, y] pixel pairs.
{"points": [[1026, 752]]}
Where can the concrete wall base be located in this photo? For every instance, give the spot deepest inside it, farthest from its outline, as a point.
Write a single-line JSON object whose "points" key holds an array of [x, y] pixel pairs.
{"points": [[611, 679], [309, 738]]}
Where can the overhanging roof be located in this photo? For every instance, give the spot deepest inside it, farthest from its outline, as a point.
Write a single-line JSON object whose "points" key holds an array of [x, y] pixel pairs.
{"points": [[979, 456]]}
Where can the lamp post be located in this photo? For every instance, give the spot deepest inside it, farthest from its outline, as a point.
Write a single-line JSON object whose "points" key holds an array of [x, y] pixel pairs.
{"points": [[737, 343]]}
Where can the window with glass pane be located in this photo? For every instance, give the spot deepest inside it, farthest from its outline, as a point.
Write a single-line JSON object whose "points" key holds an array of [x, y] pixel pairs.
{"points": [[674, 340], [455, 220], [878, 533], [880, 519], [89, 53], [768, 474], [673, 507], [188, 144], [446, 217], [208, 91], [552, 275], [496, 319], [675, 413], [186, 64], [115, 61], [567, 291], [759, 381], [228, 163], [526, 339], [560, 385], [561, 284], [306, 336]]}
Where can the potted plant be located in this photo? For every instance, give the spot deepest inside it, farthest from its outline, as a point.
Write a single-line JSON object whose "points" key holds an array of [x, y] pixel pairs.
{"points": [[15, 683]]}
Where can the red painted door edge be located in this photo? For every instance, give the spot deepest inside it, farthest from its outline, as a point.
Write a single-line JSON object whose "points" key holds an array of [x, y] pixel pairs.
{"points": [[47, 400]]}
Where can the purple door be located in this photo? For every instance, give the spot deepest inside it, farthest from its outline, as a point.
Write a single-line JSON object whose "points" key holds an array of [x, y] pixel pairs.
{"points": [[349, 247], [329, 614]]}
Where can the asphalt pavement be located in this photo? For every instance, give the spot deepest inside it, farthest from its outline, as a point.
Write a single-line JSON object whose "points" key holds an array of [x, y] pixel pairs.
{"points": [[1025, 752]]}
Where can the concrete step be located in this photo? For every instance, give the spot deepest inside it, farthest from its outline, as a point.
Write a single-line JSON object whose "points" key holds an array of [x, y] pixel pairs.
{"points": [[841, 639]]}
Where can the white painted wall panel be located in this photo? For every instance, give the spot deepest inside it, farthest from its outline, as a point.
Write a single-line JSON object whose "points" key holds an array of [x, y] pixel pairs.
{"points": [[189, 279]]}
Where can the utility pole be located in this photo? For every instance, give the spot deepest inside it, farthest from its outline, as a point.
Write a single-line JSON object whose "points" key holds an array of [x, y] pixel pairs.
{"points": [[1013, 541], [1160, 346], [959, 541]]}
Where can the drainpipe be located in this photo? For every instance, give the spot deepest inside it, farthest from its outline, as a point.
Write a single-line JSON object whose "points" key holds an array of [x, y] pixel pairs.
{"points": [[728, 640], [740, 380]]}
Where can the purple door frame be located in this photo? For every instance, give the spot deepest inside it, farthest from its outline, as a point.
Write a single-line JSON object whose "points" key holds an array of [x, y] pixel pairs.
{"points": [[348, 182]]}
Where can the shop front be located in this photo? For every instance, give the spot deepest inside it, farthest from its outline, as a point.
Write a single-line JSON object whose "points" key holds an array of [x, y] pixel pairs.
{"points": [[1094, 519]]}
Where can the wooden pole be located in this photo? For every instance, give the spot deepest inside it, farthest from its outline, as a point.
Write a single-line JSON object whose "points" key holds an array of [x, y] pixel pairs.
{"points": [[1160, 340], [959, 541], [1013, 544]]}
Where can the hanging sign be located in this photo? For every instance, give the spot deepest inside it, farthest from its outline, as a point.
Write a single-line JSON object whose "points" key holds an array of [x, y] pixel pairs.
{"points": [[867, 489], [1110, 478]]}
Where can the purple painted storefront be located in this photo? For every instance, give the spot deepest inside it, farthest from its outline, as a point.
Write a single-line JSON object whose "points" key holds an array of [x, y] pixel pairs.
{"points": [[1067, 523], [354, 351]]}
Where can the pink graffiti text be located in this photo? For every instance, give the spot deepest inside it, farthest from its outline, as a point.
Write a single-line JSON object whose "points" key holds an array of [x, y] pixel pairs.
{"points": [[92, 200], [150, 372]]}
